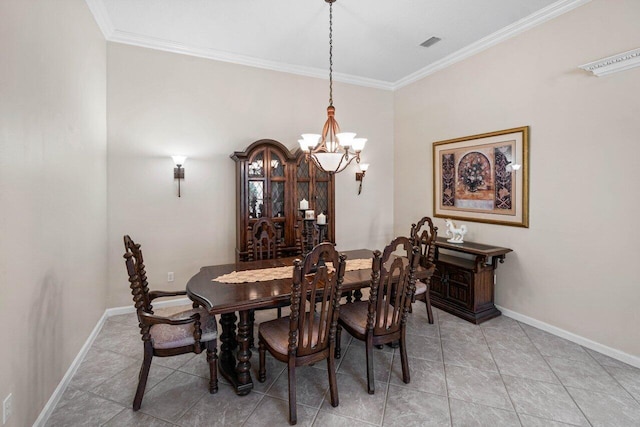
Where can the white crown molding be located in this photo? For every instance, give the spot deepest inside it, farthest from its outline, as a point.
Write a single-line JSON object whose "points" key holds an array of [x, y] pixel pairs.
{"points": [[580, 340], [101, 15], [134, 39], [118, 36], [613, 64], [543, 15]]}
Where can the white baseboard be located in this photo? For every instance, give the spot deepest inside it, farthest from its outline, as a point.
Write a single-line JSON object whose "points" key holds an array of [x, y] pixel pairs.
{"points": [[62, 386], [585, 342]]}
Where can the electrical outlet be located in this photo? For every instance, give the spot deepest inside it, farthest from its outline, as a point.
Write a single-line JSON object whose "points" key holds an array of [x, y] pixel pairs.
{"points": [[170, 276], [7, 408]]}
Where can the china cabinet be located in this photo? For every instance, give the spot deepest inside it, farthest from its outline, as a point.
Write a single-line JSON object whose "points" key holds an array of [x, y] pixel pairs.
{"points": [[270, 183]]}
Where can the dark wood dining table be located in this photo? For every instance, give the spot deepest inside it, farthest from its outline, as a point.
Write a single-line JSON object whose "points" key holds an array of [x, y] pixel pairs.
{"points": [[225, 299]]}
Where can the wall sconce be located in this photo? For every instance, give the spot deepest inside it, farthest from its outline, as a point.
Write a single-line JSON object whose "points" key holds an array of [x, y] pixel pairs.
{"points": [[178, 171], [360, 175]]}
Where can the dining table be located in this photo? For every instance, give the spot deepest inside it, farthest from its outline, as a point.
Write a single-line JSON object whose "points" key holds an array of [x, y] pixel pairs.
{"points": [[208, 289]]}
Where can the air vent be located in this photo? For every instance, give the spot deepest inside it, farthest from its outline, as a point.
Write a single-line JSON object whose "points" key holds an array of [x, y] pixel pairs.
{"points": [[430, 42]]}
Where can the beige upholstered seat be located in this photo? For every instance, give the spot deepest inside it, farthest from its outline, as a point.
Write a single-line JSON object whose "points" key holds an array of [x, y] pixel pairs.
{"points": [[173, 336]]}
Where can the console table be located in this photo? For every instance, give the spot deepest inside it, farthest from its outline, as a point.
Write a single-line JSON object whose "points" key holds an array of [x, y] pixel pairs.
{"points": [[465, 287]]}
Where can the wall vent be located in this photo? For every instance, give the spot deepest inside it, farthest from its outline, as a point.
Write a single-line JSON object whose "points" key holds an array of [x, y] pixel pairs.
{"points": [[430, 41]]}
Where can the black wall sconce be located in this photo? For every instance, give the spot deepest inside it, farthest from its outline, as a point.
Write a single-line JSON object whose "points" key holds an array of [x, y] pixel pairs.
{"points": [[360, 175], [178, 171]]}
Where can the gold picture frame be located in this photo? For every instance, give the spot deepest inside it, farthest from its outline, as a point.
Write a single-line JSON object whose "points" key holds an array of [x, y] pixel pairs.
{"points": [[483, 178]]}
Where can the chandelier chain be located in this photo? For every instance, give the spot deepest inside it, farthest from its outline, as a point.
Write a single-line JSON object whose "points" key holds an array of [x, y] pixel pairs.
{"points": [[331, 53]]}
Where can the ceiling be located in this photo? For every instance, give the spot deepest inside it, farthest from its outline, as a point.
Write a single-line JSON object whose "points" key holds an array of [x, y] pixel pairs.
{"points": [[376, 42]]}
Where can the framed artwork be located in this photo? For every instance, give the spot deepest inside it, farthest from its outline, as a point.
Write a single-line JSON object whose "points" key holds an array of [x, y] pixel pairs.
{"points": [[483, 178]]}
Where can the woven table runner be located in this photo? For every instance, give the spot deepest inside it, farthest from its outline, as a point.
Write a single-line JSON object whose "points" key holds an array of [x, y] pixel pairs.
{"points": [[275, 273]]}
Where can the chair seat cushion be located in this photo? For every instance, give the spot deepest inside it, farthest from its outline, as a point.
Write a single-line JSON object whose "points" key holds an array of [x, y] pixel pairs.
{"points": [[354, 316], [276, 333], [421, 287], [173, 336]]}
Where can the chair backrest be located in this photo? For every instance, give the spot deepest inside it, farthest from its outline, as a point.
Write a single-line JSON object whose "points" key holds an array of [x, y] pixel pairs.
{"points": [[137, 275], [307, 235], [393, 283], [264, 240], [315, 300], [424, 234]]}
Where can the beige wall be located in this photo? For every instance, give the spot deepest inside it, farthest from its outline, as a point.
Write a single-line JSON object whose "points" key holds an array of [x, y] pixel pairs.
{"points": [[52, 193], [161, 104], [574, 268]]}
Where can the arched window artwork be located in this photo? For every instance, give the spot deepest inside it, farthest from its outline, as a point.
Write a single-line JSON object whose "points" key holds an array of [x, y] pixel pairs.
{"points": [[474, 173]]}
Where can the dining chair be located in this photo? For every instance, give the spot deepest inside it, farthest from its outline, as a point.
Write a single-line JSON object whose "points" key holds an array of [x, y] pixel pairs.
{"points": [[264, 242], [424, 234], [308, 334], [383, 318], [188, 331]]}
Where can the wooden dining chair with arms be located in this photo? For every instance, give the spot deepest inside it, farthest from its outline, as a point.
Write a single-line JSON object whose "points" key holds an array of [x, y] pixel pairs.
{"points": [[308, 335], [189, 331], [383, 318], [424, 234]]}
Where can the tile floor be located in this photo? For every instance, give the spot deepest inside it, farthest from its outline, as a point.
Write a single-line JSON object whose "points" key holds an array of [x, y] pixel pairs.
{"points": [[502, 373]]}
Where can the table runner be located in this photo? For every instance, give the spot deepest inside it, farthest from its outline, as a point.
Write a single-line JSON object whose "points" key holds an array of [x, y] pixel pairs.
{"points": [[275, 273]]}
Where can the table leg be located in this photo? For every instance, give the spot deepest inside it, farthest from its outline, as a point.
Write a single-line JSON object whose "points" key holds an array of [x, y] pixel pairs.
{"points": [[237, 374], [243, 369]]}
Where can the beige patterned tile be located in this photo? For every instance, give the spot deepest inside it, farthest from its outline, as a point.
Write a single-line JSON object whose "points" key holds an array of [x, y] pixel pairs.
{"points": [[173, 396], [588, 376], [543, 400], [407, 407], [355, 363], [465, 414], [476, 386], [83, 409], [468, 354], [224, 408], [553, 346], [524, 365], [122, 386], [98, 366], [605, 409], [355, 402], [328, 419], [425, 375], [273, 412], [128, 418], [628, 377], [311, 384]]}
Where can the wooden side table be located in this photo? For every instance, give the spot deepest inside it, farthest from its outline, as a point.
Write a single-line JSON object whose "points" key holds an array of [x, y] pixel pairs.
{"points": [[465, 287]]}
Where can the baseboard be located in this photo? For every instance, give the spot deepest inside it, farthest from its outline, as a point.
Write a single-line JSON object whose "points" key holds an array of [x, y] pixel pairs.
{"points": [[585, 342], [62, 386]]}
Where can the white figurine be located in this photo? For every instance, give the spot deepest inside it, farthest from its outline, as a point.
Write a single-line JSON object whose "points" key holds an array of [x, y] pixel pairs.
{"points": [[457, 234]]}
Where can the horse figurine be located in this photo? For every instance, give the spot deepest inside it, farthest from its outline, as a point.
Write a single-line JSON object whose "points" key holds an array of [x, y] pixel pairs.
{"points": [[457, 234]]}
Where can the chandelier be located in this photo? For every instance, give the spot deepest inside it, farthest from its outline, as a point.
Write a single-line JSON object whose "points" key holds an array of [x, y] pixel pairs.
{"points": [[332, 151]]}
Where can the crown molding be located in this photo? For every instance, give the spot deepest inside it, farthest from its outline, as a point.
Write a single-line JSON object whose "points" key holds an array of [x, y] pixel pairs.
{"points": [[543, 15], [117, 36], [613, 64], [101, 15], [140, 40]]}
